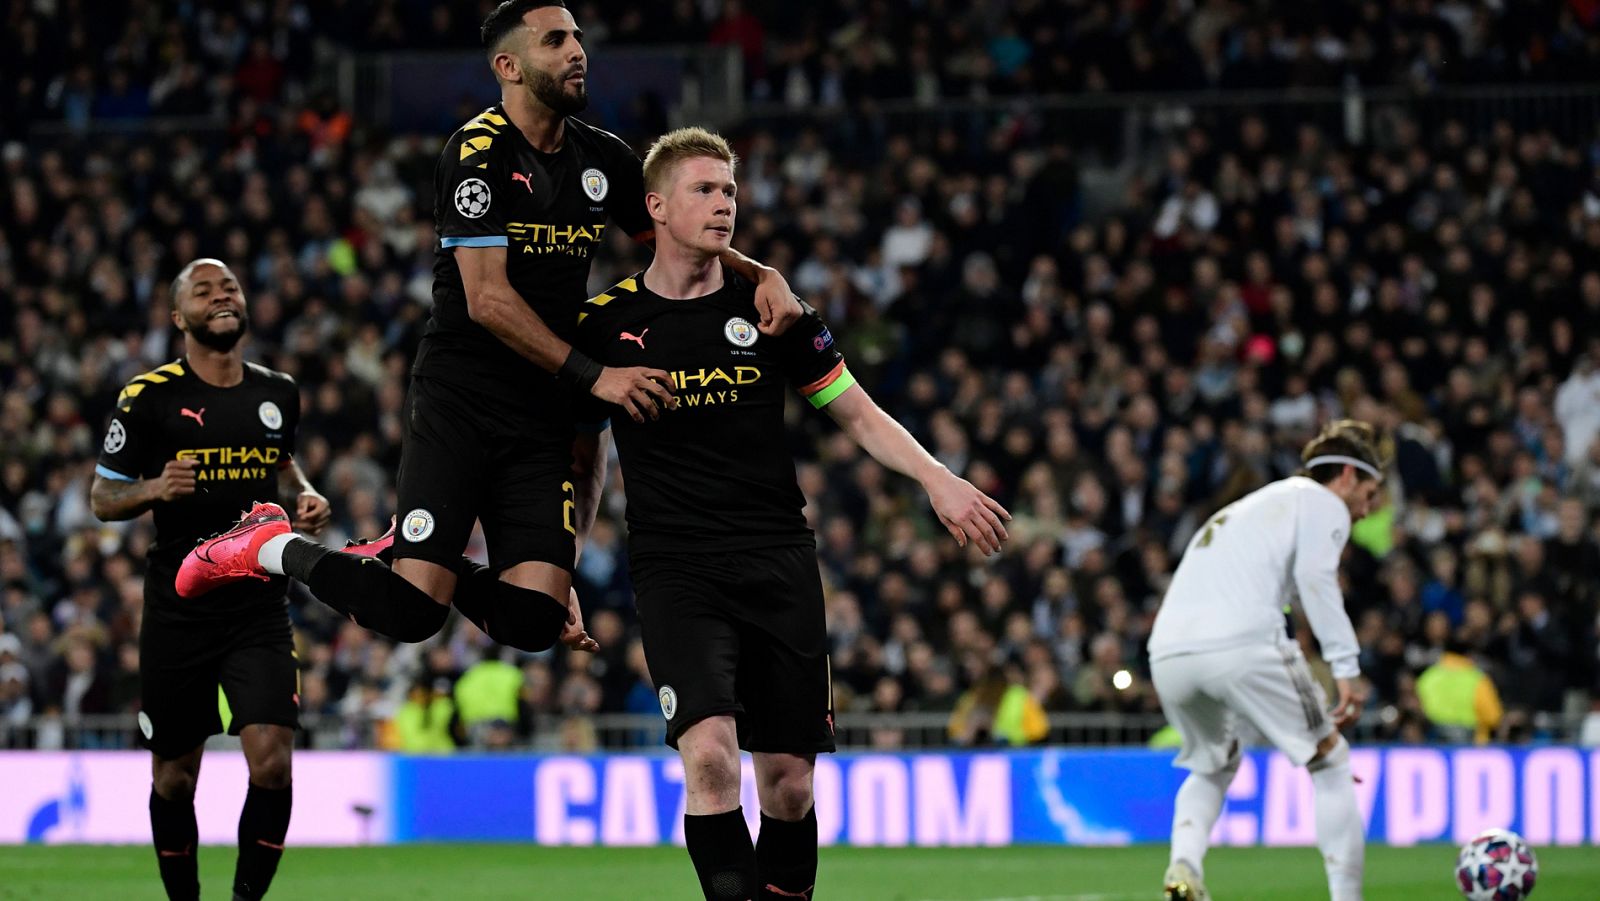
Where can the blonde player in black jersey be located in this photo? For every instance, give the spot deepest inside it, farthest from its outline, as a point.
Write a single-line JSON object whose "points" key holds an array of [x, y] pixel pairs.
{"points": [[729, 595], [195, 441]]}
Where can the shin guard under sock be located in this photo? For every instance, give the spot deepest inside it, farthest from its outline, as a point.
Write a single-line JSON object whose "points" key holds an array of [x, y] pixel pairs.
{"points": [[719, 844], [365, 589], [177, 840], [786, 857]]}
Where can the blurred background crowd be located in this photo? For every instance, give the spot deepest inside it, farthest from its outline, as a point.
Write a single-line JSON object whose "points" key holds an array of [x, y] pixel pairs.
{"points": [[1112, 348]]}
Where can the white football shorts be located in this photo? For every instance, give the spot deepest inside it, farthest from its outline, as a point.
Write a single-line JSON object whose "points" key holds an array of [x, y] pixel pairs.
{"points": [[1268, 687]]}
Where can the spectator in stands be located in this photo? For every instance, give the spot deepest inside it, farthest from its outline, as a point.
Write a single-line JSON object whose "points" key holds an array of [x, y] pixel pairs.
{"points": [[1458, 698], [997, 711]]}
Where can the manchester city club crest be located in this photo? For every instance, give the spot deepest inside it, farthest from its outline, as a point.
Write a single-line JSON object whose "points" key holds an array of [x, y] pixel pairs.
{"points": [[595, 184], [739, 332], [417, 526], [271, 416]]}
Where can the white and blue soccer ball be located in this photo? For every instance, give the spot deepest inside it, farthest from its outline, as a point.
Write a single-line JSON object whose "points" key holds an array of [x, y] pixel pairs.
{"points": [[1497, 865]]}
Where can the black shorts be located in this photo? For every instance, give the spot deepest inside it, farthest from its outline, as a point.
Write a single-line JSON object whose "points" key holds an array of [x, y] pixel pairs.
{"points": [[181, 664], [464, 459], [741, 634]]}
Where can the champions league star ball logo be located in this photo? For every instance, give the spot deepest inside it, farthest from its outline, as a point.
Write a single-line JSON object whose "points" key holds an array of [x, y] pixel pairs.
{"points": [[472, 198], [116, 437]]}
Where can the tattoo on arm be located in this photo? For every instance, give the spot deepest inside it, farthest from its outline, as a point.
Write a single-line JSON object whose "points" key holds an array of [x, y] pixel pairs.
{"points": [[114, 500]]}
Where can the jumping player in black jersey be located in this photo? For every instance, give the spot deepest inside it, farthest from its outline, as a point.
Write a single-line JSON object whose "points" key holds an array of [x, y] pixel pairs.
{"points": [[524, 196], [724, 567], [195, 441]]}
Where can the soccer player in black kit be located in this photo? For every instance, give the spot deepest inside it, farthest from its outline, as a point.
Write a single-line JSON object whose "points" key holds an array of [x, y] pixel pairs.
{"points": [[195, 441], [524, 196], [725, 572]]}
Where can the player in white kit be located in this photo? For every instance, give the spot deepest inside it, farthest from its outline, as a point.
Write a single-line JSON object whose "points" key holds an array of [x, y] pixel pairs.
{"points": [[1220, 652]]}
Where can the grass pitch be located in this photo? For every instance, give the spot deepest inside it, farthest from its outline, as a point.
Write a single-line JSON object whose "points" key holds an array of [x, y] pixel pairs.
{"points": [[505, 872]]}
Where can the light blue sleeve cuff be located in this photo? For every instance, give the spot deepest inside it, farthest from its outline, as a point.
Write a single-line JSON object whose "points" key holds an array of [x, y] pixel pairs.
{"points": [[105, 473], [592, 428], [481, 241]]}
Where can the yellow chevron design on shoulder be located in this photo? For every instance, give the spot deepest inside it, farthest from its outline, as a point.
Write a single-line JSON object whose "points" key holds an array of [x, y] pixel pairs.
{"points": [[170, 369], [482, 122], [601, 300], [125, 399], [475, 145], [629, 285], [492, 117], [581, 317]]}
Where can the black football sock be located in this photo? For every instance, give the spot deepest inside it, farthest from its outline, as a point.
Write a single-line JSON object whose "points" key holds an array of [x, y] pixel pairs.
{"points": [[262, 825], [719, 844], [522, 618], [177, 840], [786, 857], [365, 589]]}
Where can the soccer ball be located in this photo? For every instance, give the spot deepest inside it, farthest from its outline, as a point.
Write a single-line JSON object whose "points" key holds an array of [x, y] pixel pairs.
{"points": [[1496, 866]]}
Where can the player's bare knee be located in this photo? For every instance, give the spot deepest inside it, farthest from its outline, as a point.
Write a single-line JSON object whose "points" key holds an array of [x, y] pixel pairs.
{"points": [[175, 780], [710, 752], [783, 782], [437, 582], [268, 753], [271, 769], [790, 797]]}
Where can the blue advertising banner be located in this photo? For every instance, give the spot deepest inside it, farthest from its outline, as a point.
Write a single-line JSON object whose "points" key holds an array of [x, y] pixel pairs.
{"points": [[1050, 796], [1072, 797]]}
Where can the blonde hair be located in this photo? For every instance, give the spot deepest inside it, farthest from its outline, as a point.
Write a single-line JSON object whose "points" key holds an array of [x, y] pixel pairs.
{"points": [[679, 146]]}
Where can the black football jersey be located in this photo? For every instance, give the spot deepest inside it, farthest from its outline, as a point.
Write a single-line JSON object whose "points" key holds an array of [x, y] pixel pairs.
{"points": [[716, 471], [241, 436], [551, 212]]}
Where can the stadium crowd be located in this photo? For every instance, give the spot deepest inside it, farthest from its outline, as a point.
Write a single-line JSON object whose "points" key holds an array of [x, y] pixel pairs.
{"points": [[1112, 378]]}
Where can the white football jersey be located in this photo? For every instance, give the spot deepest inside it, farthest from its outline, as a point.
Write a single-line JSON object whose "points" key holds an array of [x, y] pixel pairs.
{"points": [[1249, 559]]}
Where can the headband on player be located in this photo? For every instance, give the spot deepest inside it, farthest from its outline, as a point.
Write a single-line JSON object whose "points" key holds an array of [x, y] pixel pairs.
{"points": [[1362, 465]]}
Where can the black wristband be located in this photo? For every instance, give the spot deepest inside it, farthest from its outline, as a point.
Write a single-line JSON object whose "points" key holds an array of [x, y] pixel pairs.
{"points": [[580, 372]]}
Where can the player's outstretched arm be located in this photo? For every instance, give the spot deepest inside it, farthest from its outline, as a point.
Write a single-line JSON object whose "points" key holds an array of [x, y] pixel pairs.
{"points": [[311, 510], [116, 499], [968, 513], [777, 303]]}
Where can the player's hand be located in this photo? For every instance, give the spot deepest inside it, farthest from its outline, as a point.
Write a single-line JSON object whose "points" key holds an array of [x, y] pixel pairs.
{"points": [[1352, 695], [778, 305], [638, 389], [968, 513], [176, 479], [574, 636], [312, 513]]}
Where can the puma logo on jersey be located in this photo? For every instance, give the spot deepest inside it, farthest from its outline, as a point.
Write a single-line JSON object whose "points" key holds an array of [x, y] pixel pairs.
{"points": [[526, 182], [636, 338], [197, 417]]}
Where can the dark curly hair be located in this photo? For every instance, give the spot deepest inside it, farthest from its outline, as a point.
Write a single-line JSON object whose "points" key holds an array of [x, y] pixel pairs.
{"points": [[507, 16]]}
